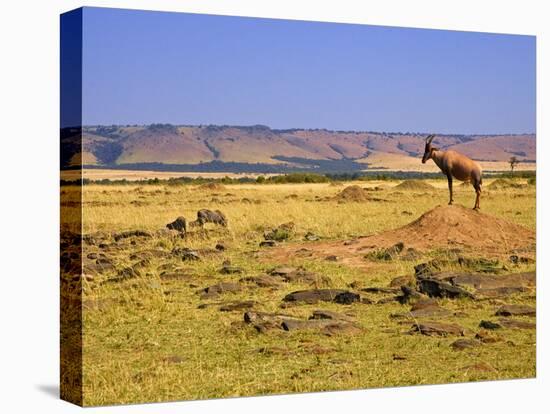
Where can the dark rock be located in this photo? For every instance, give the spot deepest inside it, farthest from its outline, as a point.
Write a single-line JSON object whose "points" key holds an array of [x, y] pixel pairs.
{"points": [[268, 243], [384, 290], [461, 344], [521, 259], [489, 325], [223, 287], [208, 216], [439, 289], [437, 329], [180, 224], [516, 310], [326, 326], [264, 322], [220, 247], [410, 295], [332, 258], [326, 295], [347, 298]]}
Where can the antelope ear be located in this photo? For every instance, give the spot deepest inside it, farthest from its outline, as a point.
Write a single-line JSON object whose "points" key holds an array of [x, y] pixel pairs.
{"points": [[429, 139]]}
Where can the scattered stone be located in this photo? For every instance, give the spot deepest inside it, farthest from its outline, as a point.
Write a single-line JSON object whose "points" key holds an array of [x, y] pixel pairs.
{"points": [[230, 307], [437, 329], [411, 295], [268, 243], [516, 310], [489, 325], [515, 259], [223, 287], [381, 290], [180, 224], [517, 324], [92, 256], [440, 289], [311, 236], [186, 254], [332, 258], [220, 247], [264, 322], [326, 295], [461, 344]]}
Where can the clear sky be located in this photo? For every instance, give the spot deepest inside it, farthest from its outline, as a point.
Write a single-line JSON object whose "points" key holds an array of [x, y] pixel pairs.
{"points": [[144, 67]]}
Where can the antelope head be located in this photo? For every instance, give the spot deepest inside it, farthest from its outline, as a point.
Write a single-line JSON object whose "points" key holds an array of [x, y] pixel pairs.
{"points": [[428, 149]]}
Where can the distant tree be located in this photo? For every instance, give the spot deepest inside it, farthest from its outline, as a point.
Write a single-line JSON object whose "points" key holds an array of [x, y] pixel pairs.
{"points": [[513, 162]]}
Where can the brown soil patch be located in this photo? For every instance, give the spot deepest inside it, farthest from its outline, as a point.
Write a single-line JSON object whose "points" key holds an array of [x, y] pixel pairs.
{"points": [[417, 185], [444, 227]]}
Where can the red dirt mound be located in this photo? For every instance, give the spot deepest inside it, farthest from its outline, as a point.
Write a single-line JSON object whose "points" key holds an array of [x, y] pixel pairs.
{"points": [[353, 193], [416, 185], [444, 227], [458, 226]]}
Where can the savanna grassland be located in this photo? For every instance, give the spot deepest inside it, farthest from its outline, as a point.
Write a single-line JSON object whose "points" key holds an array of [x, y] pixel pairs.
{"points": [[150, 332]]}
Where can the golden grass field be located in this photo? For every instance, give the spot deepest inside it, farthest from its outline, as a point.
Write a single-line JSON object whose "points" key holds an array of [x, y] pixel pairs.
{"points": [[148, 338]]}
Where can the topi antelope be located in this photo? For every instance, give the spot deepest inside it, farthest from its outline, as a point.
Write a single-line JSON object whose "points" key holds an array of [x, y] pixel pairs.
{"points": [[454, 164]]}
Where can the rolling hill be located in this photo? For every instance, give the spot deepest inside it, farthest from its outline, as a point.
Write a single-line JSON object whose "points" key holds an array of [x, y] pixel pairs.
{"points": [[211, 147]]}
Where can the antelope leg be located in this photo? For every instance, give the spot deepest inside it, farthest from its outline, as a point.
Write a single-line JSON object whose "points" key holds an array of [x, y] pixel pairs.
{"points": [[450, 180]]}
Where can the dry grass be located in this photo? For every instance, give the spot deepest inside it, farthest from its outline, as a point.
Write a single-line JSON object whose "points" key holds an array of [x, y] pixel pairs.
{"points": [[146, 339]]}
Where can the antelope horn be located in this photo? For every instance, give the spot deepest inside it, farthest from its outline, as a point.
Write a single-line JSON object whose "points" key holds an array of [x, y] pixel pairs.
{"points": [[429, 139]]}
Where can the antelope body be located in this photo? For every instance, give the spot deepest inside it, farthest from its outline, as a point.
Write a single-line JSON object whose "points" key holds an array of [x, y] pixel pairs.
{"points": [[454, 164]]}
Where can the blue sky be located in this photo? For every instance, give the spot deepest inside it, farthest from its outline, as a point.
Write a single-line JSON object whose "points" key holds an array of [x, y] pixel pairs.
{"points": [[144, 67]]}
